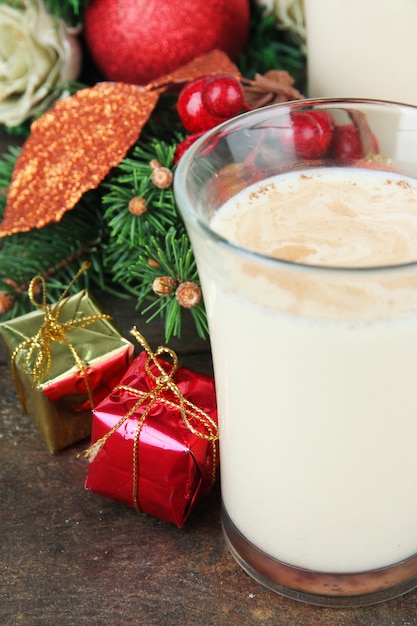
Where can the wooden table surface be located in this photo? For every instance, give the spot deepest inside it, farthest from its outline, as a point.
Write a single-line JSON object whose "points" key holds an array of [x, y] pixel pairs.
{"points": [[69, 556]]}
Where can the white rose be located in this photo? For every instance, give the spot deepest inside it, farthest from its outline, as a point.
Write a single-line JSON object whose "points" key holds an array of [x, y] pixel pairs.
{"points": [[38, 55], [289, 15]]}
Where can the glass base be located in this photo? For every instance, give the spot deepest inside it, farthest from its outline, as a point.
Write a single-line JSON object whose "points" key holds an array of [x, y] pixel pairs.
{"points": [[320, 588]]}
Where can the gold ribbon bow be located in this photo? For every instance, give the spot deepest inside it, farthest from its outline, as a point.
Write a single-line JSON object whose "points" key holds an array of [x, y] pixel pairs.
{"points": [[38, 359], [189, 411]]}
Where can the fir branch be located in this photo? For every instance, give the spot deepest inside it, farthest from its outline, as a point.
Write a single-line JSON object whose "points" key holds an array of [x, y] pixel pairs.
{"points": [[170, 257], [270, 49], [55, 252], [133, 179], [66, 9], [164, 122], [63, 9], [7, 163]]}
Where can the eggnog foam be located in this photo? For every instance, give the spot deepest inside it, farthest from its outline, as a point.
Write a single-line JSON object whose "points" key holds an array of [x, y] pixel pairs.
{"points": [[346, 219], [339, 217]]}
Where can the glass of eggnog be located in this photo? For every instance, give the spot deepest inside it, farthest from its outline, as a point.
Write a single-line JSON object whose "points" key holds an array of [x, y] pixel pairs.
{"points": [[303, 221]]}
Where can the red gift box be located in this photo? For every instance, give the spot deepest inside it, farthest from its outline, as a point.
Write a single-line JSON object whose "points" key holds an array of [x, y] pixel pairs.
{"points": [[154, 442]]}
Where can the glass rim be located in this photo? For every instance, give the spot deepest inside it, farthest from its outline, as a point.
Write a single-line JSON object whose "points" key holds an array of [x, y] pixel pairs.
{"points": [[235, 122]]}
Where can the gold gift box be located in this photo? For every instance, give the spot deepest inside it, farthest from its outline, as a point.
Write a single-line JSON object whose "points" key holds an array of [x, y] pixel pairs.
{"points": [[60, 404]]}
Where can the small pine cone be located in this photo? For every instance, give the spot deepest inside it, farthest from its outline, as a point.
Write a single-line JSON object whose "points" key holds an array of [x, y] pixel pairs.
{"points": [[6, 302], [161, 176], [188, 294], [137, 206], [163, 285]]}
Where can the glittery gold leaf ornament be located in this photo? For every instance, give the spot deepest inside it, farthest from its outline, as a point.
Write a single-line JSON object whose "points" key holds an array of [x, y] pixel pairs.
{"points": [[71, 149], [73, 146]]}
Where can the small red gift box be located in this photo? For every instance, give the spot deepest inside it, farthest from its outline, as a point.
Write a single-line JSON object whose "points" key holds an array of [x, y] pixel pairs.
{"points": [[154, 442]]}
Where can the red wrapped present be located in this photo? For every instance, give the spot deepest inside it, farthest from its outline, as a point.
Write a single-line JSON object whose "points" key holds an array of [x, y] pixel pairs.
{"points": [[154, 442]]}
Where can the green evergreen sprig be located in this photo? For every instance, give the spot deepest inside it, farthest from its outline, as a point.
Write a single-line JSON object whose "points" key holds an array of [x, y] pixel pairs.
{"points": [[133, 179], [71, 10], [7, 164], [55, 252], [271, 49], [142, 248], [66, 9], [172, 257]]}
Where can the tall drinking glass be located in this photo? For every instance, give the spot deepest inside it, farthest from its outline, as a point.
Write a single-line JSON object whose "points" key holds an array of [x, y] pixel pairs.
{"points": [[365, 49], [307, 254]]}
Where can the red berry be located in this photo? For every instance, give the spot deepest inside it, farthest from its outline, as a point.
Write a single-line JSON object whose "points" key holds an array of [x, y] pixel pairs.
{"points": [[193, 115], [185, 144], [346, 145], [324, 119], [311, 133], [222, 95]]}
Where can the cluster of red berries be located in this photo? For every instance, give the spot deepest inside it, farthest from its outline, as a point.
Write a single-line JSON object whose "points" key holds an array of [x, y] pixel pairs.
{"points": [[206, 102], [315, 135], [209, 100]]}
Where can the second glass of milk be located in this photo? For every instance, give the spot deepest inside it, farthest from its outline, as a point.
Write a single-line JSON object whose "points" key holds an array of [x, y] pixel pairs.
{"points": [[362, 49], [308, 264]]}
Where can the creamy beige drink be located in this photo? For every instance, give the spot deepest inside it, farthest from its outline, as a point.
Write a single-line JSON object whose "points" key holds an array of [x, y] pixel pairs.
{"points": [[336, 217], [362, 49], [319, 416]]}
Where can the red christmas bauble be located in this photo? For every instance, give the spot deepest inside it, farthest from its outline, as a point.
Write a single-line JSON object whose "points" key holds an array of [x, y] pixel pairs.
{"points": [[136, 41]]}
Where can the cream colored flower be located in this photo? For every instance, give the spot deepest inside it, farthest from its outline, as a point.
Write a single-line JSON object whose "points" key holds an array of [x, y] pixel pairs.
{"points": [[289, 15], [38, 55]]}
